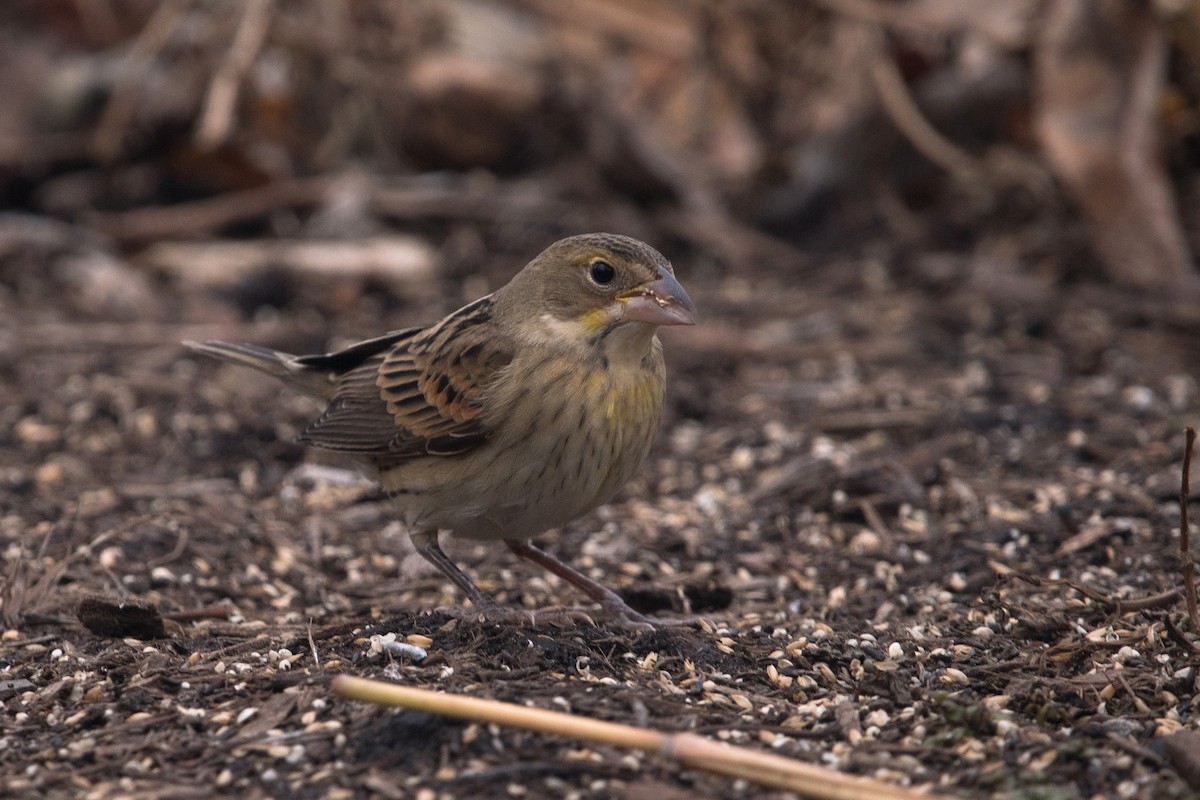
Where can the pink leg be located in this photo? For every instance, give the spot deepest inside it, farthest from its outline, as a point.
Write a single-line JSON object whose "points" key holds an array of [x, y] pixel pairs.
{"points": [[427, 545], [612, 604]]}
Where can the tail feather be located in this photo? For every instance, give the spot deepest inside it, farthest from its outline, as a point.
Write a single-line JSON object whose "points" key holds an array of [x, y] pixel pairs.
{"points": [[285, 366]]}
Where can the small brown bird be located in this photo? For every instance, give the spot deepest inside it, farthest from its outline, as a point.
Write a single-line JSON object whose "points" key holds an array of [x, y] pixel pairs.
{"points": [[515, 414]]}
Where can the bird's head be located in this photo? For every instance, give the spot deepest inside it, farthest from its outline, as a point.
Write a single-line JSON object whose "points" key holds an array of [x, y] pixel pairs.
{"points": [[588, 287]]}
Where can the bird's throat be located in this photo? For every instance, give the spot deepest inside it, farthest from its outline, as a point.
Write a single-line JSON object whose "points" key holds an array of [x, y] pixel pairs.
{"points": [[627, 345]]}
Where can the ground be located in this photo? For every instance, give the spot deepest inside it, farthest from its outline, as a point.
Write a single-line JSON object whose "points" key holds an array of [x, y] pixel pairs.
{"points": [[903, 508]]}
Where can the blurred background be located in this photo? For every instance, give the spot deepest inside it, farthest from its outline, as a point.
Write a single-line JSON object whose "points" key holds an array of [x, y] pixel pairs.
{"points": [[394, 143]]}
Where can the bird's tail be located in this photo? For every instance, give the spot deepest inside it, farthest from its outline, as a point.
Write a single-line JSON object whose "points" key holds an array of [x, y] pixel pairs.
{"points": [[285, 366]]}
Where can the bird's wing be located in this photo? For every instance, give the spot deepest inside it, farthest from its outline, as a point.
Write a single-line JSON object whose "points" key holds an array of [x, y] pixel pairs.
{"points": [[419, 396]]}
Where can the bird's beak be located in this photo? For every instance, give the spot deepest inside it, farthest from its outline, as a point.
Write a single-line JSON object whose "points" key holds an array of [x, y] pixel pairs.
{"points": [[659, 302]]}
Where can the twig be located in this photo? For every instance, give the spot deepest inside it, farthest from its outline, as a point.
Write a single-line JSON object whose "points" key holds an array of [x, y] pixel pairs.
{"points": [[876, 523], [217, 118], [1185, 550], [1054, 583], [1138, 702], [212, 213], [897, 100], [181, 542], [1115, 604], [43, 150], [906, 115], [1151, 601], [695, 751], [403, 200], [1127, 744], [152, 39], [667, 32], [258, 639], [313, 645], [390, 258], [1177, 635]]}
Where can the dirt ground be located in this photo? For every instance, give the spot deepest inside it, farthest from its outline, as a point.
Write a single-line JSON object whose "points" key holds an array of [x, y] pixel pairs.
{"points": [[860, 460]]}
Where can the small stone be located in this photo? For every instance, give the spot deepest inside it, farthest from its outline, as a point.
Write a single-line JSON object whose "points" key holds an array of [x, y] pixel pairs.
{"points": [[31, 430], [742, 458], [1006, 727], [952, 675], [49, 474]]}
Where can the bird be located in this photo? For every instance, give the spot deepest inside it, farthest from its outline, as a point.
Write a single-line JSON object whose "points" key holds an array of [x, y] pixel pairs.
{"points": [[514, 415]]}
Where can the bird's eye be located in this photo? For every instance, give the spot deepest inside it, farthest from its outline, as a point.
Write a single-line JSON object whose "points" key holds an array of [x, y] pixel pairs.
{"points": [[602, 272]]}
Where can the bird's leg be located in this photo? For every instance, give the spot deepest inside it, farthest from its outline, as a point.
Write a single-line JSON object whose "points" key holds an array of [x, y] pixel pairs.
{"points": [[426, 543], [609, 600]]}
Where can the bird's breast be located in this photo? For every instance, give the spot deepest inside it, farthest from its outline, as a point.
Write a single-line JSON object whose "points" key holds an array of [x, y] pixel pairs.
{"points": [[569, 435], [591, 430], [623, 412]]}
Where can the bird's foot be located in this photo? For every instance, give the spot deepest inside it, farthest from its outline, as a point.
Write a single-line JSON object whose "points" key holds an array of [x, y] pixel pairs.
{"points": [[618, 611]]}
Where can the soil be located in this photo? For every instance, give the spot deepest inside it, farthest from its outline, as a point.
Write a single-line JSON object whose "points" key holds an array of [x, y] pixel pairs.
{"points": [[903, 510]]}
